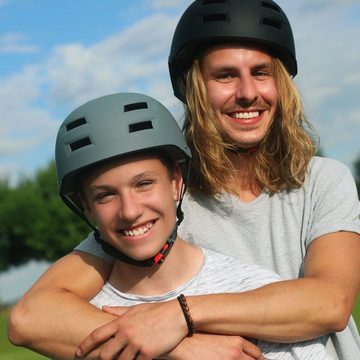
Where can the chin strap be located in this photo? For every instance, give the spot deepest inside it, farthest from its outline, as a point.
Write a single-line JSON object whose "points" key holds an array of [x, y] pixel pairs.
{"points": [[156, 259]]}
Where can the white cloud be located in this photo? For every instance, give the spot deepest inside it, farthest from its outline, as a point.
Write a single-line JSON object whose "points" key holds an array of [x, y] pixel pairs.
{"points": [[132, 60], [167, 4], [23, 125], [13, 43], [326, 36]]}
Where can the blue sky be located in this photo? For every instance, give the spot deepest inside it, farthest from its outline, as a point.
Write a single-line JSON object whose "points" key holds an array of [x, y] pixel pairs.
{"points": [[55, 55]]}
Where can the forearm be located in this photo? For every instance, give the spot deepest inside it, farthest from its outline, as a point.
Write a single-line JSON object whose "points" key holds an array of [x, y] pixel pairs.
{"points": [[293, 310], [62, 322], [54, 316], [283, 312]]}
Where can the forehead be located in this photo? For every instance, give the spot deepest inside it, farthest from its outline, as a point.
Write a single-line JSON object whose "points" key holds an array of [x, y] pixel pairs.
{"points": [[223, 51], [128, 164]]}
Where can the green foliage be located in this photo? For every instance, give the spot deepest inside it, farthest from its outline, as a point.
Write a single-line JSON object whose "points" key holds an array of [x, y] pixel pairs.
{"points": [[8, 351], [357, 174], [34, 222], [320, 152]]}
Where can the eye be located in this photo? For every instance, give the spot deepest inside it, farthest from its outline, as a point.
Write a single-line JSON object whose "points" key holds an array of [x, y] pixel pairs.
{"points": [[263, 72], [145, 184], [104, 197], [224, 76]]}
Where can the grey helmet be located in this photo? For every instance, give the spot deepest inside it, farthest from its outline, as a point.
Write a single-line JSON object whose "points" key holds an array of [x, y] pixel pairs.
{"points": [[112, 126], [207, 22]]}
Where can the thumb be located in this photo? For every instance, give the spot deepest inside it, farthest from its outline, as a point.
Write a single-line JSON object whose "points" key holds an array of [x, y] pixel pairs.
{"points": [[115, 310]]}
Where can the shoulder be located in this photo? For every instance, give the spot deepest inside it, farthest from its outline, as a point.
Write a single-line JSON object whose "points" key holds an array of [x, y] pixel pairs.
{"points": [[320, 165], [327, 171]]}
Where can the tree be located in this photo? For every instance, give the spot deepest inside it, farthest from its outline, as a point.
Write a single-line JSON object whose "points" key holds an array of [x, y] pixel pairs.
{"points": [[35, 223], [357, 174]]}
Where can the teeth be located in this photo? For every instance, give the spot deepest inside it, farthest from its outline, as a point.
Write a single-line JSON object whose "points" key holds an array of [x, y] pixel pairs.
{"points": [[138, 231], [246, 115]]}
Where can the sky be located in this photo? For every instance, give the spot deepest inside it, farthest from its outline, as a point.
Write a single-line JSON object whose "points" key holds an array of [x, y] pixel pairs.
{"points": [[56, 55]]}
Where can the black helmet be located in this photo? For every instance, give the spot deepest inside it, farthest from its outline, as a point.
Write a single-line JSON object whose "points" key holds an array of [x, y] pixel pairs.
{"points": [[207, 22], [112, 126]]}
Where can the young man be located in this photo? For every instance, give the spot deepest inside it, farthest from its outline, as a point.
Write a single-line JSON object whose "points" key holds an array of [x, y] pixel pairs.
{"points": [[257, 191]]}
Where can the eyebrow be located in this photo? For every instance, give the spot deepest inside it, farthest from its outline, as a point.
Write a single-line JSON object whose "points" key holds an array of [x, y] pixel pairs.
{"points": [[268, 65], [144, 175], [264, 65], [136, 178]]}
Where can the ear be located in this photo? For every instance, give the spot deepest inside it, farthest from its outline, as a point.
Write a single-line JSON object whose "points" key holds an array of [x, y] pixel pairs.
{"points": [[177, 183]]}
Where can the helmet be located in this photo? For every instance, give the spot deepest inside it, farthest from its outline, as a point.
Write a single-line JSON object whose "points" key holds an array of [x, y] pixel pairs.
{"points": [[207, 22], [110, 126]]}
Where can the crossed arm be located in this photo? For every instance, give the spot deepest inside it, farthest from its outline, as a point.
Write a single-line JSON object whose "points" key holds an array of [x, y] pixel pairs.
{"points": [[317, 304]]}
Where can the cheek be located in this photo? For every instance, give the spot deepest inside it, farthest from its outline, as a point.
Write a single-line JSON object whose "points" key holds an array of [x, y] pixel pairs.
{"points": [[216, 96], [220, 94], [270, 95], [102, 216]]}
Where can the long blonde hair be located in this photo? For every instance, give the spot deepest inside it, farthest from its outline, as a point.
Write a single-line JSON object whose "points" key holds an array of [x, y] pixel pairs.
{"points": [[280, 162]]}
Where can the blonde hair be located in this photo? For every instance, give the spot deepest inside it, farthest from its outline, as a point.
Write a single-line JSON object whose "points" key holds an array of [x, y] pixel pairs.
{"points": [[280, 162]]}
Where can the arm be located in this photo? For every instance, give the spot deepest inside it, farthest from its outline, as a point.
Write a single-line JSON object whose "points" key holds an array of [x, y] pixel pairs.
{"points": [[215, 347], [285, 311], [317, 304], [54, 315]]}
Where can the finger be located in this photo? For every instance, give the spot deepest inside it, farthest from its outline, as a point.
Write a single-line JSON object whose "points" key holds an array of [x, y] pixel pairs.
{"points": [[249, 357], [252, 350], [131, 352], [115, 310], [113, 349], [96, 338]]}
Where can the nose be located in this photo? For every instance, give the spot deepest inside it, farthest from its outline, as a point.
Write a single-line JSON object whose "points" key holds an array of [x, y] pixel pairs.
{"points": [[246, 90], [130, 209]]}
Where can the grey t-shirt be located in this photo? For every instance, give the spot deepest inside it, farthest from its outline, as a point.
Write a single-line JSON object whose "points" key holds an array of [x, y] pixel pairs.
{"points": [[275, 231], [221, 274]]}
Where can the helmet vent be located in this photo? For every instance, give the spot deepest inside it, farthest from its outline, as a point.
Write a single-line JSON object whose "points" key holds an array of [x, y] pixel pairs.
{"points": [[209, 2], [272, 23], [76, 123], [144, 125], [215, 17], [270, 6], [76, 145], [135, 106]]}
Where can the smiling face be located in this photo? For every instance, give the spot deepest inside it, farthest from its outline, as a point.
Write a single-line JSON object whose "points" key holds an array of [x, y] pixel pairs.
{"points": [[242, 92], [133, 203]]}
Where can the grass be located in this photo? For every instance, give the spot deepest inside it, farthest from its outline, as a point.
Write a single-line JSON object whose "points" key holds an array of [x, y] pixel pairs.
{"points": [[10, 352], [356, 313]]}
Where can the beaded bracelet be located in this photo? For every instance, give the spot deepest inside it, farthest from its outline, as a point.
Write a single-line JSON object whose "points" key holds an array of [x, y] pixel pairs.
{"points": [[185, 309]]}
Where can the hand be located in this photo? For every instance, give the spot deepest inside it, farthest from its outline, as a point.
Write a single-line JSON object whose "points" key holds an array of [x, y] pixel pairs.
{"points": [[143, 332], [215, 347]]}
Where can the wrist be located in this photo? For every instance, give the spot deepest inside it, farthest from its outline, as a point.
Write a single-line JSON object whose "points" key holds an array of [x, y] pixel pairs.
{"points": [[187, 316]]}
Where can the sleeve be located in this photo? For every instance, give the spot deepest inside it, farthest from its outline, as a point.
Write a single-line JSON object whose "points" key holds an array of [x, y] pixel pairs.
{"points": [[92, 247], [335, 203], [312, 349]]}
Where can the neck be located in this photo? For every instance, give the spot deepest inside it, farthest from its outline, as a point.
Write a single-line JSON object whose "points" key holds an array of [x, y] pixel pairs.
{"points": [[244, 184], [182, 263]]}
